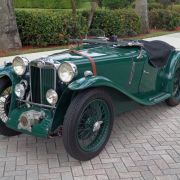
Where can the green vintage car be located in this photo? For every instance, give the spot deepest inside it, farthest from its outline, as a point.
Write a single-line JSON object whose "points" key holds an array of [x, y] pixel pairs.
{"points": [[77, 93]]}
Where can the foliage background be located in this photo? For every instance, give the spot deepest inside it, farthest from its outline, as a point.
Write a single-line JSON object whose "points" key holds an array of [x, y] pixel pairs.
{"points": [[55, 27], [50, 22]]}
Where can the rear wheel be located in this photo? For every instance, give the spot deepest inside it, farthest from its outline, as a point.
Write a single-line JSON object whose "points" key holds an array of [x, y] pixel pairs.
{"points": [[88, 124], [175, 99], [5, 101]]}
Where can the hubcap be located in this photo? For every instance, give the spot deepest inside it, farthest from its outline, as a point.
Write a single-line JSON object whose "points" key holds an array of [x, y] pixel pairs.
{"points": [[93, 125], [97, 126], [5, 100]]}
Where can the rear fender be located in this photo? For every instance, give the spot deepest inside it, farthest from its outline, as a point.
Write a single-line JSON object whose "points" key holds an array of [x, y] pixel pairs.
{"points": [[172, 66]]}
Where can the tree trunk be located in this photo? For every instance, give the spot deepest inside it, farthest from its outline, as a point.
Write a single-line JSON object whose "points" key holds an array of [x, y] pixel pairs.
{"points": [[142, 10], [9, 36], [94, 5], [73, 5]]}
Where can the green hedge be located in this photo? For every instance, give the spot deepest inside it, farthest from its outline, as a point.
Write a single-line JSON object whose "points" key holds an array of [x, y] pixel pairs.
{"points": [[55, 27], [117, 22], [45, 27], [164, 19]]}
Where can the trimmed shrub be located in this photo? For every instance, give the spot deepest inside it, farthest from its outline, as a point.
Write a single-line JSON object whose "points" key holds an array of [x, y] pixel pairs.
{"points": [[164, 19], [117, 22], [55, 27], [45, 27]]}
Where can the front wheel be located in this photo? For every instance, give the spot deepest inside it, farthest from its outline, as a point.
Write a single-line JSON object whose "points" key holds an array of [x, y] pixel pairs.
{"points": [[5, 101], [175, 99], [88, 124]]}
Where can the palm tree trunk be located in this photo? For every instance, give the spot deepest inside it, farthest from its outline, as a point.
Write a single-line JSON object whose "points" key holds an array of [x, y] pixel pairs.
{"points": [[73, 5], [142, 10], [94, 5], [9, 36]]}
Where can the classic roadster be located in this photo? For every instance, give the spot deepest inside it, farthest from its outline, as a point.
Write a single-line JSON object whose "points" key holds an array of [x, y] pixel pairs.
{"points": [[77, 93]]}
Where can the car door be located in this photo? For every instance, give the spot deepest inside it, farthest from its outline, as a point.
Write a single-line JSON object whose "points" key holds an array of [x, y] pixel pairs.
{"points": [[149, 81]]}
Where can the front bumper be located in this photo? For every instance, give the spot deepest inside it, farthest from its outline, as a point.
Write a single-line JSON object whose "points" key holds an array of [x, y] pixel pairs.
{"points": [[40, 129]]}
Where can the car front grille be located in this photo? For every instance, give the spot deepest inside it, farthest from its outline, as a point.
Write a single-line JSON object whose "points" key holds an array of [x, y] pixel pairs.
{"points": [[42, 78]]}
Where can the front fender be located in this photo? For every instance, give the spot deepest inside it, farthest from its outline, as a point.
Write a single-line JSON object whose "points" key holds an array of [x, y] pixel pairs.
{"points": [[8, 71], [100, 81], [93, 81]]}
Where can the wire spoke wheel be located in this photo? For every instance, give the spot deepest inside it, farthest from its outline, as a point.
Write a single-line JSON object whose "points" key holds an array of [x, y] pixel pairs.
{"points": [[88, 124], [5, 100], [93, 125]]}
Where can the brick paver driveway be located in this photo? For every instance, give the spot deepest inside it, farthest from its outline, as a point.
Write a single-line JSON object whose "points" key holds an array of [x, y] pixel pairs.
{"points": [[145, 144]]}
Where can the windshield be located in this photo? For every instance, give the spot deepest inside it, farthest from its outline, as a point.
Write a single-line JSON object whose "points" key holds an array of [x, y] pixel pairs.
{"points": [[97, 37]]}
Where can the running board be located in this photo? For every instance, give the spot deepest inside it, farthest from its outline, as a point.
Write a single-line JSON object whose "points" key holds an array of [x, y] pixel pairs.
{"points": [[154, 99], [159, 97]]}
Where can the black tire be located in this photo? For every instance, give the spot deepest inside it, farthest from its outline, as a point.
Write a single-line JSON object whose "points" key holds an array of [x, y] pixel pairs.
{"points": [[72, 120], [4, 130], [172, 102], [175, 99]]}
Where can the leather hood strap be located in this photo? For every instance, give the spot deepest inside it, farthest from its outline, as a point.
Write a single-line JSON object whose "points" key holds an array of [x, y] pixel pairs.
{"points": [[91, 60]]}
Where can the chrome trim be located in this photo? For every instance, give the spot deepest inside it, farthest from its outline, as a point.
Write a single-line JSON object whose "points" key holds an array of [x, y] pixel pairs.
{"points": [[25, 83], [37, 104], [40, 84], [45, 64], [30, 82], [132, 72], [146, 72], [140, 54], [28, 99]]}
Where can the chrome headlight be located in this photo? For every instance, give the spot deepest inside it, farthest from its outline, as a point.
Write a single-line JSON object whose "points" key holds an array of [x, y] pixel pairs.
{"points": [[20, 91], [19, 65], [51, 97], [67, 71]]}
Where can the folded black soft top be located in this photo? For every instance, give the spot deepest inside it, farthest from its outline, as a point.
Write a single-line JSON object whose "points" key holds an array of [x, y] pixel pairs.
{"points": [[159, 52]]}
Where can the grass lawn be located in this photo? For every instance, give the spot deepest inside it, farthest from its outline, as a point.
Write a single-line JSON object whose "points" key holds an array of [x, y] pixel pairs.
{"points": [[27, 50]]}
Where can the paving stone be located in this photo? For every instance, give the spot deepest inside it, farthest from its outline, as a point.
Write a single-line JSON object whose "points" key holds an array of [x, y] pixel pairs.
{"points": [[49, 176], [20, 178], [130, 175], [53, 163], [148, 175], [85, 178], [67, 176], [102, 177], [112, 173], [77, 171], [128, 161], [168, 177], [155, 170]]}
